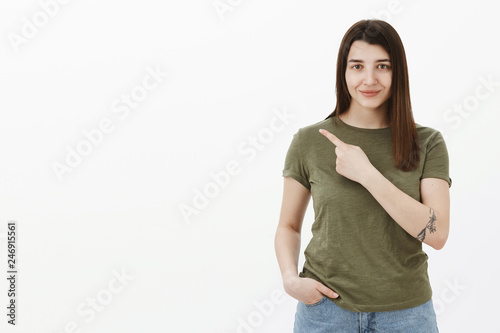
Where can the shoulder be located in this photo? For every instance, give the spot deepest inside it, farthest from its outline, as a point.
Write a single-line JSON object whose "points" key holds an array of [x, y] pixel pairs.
{"points": [[312, 130], [427, 134], [309, 135]]}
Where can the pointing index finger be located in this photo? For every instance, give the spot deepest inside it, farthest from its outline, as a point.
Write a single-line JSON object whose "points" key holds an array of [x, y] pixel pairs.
{"points": [[336, 141]]}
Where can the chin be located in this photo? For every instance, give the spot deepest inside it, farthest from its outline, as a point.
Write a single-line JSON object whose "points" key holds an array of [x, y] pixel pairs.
{"points": [[371, 105]]}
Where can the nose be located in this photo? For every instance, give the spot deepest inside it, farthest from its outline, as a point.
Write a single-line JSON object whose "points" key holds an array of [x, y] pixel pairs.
{"points": [[370, 77]]}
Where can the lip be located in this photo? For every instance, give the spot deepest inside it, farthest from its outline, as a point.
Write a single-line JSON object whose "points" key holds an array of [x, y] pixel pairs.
{"points": [[369, 93]]}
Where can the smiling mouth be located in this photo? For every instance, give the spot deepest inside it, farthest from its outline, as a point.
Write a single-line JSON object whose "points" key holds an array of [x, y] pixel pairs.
{"points": [[369, 93]]}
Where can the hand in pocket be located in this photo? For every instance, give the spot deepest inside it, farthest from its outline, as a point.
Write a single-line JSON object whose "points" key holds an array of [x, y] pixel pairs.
{"points": [[307, 290]]}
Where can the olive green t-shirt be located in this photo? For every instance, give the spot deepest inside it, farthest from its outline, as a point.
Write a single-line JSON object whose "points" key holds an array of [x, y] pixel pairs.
{"points": [[357, 249]]}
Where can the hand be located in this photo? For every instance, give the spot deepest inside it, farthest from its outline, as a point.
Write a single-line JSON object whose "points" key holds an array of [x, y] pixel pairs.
{"points": [[307, 290], [352, 161]]}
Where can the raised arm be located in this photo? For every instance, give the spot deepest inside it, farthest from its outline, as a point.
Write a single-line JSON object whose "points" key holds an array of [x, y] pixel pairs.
{"points": [[429, 220]]}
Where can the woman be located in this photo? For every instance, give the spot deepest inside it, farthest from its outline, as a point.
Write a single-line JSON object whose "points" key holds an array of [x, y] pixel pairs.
{"points": [[380, 188]]}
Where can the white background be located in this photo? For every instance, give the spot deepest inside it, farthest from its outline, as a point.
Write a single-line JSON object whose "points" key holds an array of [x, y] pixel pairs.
{"points": [[229, 72]]}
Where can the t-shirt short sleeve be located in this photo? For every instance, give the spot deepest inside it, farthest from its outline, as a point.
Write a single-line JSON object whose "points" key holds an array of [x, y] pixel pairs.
{"points": [[295, 164], [437, 160]]}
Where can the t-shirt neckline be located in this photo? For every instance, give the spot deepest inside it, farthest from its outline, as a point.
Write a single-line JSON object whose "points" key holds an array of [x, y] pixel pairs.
{"points": [[361, 129]]}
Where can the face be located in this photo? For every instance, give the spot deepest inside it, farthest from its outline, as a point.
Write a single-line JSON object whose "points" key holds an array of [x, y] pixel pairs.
{"points": [[368, 76]]}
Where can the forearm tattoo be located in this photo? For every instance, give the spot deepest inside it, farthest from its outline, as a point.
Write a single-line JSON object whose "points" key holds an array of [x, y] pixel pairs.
{"points": [[431, 225]]}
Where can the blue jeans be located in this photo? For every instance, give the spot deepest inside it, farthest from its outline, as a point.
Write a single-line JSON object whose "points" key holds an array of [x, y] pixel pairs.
{"points": [[326, 316]]}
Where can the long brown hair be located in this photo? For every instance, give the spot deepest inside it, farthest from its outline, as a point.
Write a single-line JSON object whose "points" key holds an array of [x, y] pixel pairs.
{"points": [[405, 146]]}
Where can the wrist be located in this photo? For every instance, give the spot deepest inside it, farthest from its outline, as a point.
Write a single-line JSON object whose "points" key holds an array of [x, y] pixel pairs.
{"points": [[289, 277], [291, 283], [369, 175]]}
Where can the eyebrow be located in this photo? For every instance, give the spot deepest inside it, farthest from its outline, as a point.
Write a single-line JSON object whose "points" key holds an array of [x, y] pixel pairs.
{"points": [[380, 60]]}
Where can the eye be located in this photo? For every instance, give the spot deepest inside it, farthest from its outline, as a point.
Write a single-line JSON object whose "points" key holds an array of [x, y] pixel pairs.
{"points": [[356, 66], [383, 66]]}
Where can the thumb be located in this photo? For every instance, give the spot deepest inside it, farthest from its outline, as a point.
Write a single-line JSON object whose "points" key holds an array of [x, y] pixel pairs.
{"points": [[326, 291]]}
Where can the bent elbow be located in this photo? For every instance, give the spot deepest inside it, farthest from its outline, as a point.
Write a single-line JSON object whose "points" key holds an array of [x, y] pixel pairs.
{"points": [[439, 242], [438, 246]]}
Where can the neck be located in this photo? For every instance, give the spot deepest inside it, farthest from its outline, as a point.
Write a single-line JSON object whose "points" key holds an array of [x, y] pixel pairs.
{"points": [[358, 116]]}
